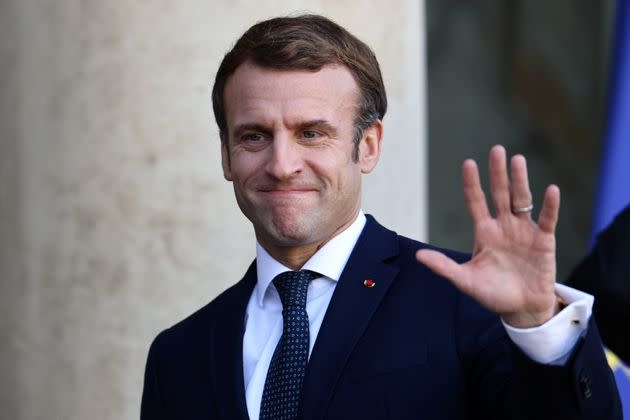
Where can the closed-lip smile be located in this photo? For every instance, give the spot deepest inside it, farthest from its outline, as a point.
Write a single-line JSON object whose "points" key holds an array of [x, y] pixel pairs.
{"points": [[286, 191]]}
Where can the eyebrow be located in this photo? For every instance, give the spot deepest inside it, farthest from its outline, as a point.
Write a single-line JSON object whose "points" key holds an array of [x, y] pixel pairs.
{"points": [[304, 125], [322, 124], [250, 127]]}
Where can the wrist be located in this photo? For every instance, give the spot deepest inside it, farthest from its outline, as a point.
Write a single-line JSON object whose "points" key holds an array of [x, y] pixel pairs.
{"points": [[534, 319]]}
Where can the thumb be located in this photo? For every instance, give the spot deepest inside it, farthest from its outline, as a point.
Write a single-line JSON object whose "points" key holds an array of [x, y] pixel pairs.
{"points": [[443, 266]]}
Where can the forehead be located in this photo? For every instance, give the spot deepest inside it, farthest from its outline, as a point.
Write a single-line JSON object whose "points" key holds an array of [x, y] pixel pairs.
{"points": [[259, 93]]}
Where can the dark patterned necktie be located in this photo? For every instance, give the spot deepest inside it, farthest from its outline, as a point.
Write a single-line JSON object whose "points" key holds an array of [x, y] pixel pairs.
{"points": [[283, 386]]}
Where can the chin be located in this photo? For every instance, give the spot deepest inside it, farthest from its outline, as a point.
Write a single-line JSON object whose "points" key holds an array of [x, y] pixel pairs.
{"points": [[291, 237], [286, 233]]}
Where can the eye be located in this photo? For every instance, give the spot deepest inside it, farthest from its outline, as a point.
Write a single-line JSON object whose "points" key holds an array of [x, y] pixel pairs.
{"points": [[310, 134], [253, 137]]}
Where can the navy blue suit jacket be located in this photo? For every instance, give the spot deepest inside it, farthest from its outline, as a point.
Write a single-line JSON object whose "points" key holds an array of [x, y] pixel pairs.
{"points": [[411, 347]]}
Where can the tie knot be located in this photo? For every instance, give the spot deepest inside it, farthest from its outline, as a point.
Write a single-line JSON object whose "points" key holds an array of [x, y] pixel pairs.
{"points": [[292, 286]]}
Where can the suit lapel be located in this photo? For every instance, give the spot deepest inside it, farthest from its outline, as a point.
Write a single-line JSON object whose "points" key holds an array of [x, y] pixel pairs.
{"points": [[348, 314], [227, 349]]}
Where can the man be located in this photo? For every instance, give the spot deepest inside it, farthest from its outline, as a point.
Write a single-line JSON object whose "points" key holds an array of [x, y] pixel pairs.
{"points": [[336, 318], [605, 273]]}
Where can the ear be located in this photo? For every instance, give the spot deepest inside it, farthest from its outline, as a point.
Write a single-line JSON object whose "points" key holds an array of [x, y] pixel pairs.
{"points": [[370, 147], [225, 158]]}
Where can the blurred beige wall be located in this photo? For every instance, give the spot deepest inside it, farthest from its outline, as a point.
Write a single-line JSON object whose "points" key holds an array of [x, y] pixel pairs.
{"points": [[115, 219]]}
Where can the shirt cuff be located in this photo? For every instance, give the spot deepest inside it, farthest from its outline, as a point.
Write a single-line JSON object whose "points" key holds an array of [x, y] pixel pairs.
{"points": [[552, 342]]}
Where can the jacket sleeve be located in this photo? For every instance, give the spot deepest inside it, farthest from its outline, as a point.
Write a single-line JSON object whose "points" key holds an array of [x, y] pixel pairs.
{"points": [[584, 388], [506, 384]]}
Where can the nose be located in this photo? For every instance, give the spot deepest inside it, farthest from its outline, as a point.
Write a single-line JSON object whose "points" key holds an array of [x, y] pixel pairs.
{"points": [[285, 160]]}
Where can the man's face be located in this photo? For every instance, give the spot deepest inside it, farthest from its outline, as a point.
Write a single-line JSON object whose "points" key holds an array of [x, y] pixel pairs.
{"points": [[289, 152]]}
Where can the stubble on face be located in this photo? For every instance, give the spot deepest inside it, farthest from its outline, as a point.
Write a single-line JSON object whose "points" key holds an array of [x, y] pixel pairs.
{"points": [[290, 156]]}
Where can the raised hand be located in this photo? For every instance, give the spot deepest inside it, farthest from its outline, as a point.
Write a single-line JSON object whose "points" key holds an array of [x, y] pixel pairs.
{"points": [[513, 267]]}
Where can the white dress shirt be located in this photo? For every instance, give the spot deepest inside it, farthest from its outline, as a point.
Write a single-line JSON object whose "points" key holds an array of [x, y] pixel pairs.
{"points": [[548, 343]]}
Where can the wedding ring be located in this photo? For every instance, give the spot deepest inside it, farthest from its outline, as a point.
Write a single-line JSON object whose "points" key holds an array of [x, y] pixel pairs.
{"points": [[526, 209]]}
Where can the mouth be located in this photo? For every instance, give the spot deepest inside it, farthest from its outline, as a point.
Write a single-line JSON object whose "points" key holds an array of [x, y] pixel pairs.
{"points": [[288, 193], [281, 192]]}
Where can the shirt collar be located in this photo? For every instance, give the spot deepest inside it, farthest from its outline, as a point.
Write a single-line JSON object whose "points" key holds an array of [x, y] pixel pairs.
{"points": [[329, 260]]}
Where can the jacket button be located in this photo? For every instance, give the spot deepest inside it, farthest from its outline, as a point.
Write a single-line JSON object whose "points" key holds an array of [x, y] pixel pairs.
{"points": [[585, 385]]}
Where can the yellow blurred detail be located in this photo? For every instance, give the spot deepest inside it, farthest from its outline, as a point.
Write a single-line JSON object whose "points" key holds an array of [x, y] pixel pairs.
{"points": [[613, 360], [616, 364]]}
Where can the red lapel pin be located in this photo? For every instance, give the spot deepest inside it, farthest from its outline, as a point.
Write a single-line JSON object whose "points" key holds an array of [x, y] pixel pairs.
{"points": [[369, 283]]}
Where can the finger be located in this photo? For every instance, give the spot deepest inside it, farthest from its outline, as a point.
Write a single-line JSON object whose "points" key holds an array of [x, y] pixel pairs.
{"points": [[445, 267], [499, 183], [548, 217], [473, 193], [521, 195]]}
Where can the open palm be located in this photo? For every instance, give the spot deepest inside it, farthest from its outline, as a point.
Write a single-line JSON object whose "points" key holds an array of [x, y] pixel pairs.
{"points": [[513, 268]]}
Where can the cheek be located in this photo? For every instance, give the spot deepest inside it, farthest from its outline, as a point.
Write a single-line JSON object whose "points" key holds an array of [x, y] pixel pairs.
{"points": [[351, 178], [334, 164], [244, 167], [345, 181]]}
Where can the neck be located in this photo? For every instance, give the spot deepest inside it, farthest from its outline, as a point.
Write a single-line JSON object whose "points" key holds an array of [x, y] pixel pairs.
{"points": [[293, 257]]}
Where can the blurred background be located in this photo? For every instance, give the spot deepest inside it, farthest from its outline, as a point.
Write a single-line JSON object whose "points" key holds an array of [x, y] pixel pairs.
{"points": [[530, 75], [115, 220]]}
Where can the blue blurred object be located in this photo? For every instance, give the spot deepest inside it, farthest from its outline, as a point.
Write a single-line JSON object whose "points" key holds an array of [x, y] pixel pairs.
{"points": [[614, 177]]}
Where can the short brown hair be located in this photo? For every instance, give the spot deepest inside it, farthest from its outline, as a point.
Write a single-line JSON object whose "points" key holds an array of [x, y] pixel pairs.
{"points": [[306, 42]]}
